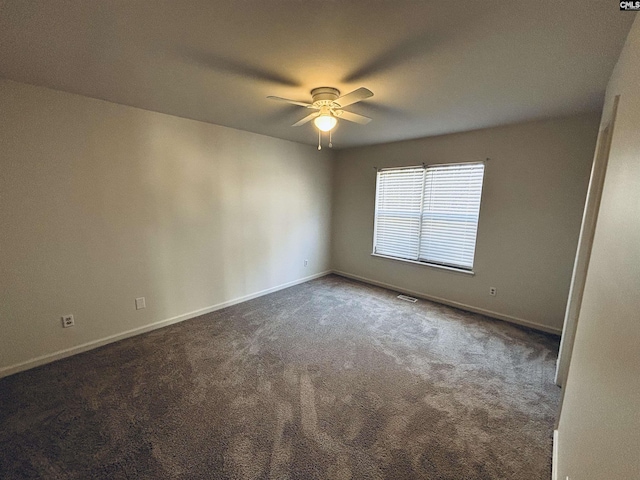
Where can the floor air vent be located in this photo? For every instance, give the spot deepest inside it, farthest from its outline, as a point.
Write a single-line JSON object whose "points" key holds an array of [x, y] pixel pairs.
{"points": [[407, 299]]}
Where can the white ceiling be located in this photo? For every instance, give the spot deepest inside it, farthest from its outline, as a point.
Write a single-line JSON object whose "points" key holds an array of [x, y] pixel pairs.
{"points": [[434, 66]]}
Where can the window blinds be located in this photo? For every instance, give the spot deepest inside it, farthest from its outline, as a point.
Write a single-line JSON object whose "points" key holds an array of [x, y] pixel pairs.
{"points": [[398, 210], [429, 214]]}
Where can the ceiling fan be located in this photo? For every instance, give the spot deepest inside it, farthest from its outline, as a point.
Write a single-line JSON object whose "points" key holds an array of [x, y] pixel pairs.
{"points": [[329, 108]]}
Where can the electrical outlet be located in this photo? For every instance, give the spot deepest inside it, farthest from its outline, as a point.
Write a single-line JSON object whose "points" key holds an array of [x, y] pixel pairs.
{"points": [[306, 263], [67, 321], [140, 303], [493, 291]]}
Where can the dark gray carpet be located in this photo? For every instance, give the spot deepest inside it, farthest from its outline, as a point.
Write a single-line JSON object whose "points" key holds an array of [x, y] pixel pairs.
{"points": [[331, 379]]}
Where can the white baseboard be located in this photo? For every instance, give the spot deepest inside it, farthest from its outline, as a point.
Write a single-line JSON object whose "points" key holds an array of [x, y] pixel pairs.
{"points": [[462, 306], [554, 458], [67, 352]]}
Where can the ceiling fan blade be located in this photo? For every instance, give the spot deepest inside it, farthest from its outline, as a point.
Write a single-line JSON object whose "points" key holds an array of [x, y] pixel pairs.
{"points": [[355, 96], [306, 119], [354, 117], [280, 99]]}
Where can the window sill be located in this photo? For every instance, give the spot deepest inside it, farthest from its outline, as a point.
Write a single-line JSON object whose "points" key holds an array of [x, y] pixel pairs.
{"points": [[425, 264]]}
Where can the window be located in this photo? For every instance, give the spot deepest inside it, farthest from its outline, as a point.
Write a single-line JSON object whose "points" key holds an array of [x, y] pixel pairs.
{"points": [[429, 214]]}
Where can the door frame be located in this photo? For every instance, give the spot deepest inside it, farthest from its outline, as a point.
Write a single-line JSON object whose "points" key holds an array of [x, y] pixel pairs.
{"points": [[585, 242]]}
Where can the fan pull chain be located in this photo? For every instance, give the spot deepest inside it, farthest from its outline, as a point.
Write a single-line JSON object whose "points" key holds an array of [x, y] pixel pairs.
{"points": [[319, 140], [330, 144]]}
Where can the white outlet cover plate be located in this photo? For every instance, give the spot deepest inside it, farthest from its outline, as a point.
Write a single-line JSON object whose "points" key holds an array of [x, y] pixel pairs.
{"points": [[140, 303]]}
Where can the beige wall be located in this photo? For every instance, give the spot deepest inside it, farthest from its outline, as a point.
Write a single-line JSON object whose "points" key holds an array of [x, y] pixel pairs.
{"points": [[102, 203], [599, 427], [534, 193]]}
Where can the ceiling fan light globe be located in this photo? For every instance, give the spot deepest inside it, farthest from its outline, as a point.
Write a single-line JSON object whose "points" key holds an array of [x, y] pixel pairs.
{"points": [[325, 122]]}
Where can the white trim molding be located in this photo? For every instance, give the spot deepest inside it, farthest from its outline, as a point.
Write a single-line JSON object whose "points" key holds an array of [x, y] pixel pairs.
{"points": [[554, 458], [425, 264], [67, 352], [451, 303]]}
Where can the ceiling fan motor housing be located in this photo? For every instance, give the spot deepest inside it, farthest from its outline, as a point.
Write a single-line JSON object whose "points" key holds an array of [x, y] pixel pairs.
{"points": [[324, 96]]}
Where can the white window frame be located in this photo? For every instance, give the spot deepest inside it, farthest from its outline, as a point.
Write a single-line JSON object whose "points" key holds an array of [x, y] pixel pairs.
{"points": [[453, 268]]}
